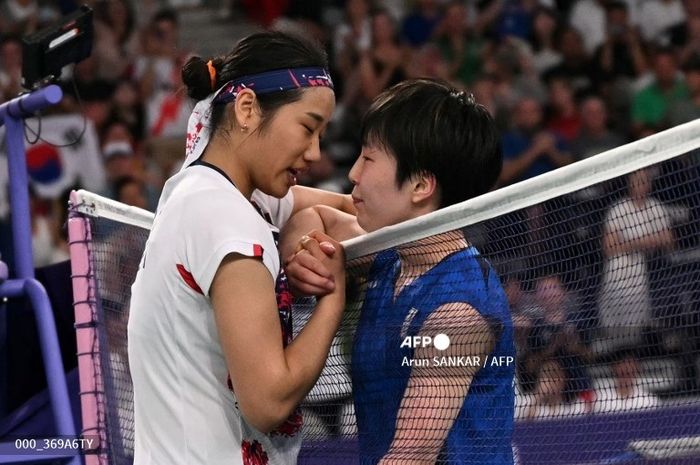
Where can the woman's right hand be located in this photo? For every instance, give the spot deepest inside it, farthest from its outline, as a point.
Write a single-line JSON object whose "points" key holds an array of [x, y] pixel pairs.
{"points": [[318, 265]]}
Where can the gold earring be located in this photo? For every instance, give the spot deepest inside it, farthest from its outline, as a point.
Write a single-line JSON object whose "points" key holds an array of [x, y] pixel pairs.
{"points": [[244, 128]]}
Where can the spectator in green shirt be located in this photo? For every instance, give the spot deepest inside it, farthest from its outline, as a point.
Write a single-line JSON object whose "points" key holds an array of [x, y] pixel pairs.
{"points": [[688, 109], [462, 48], [650, 105]]}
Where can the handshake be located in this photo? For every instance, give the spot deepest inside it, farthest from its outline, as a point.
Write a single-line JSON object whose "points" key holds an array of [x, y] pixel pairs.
{"points": [[316, 266]]}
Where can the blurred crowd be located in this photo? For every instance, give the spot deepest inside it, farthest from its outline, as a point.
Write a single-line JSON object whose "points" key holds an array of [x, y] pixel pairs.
{"points": [[564, 80]]}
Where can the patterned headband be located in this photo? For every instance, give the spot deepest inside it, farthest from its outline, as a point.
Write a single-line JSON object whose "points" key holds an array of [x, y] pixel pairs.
{"points": [[199, 128], [275, 81]]}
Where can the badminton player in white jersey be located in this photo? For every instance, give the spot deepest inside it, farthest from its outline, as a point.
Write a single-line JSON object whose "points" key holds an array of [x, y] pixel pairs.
{"points": [[216, 375]]}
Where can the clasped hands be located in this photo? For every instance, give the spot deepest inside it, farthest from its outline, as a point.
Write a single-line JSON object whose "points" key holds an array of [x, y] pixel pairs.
{"points": [[317, 265]]}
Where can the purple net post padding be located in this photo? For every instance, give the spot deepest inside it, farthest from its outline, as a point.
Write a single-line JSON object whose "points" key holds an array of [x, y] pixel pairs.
{"points": [[12, 115], [90, 373], [58, 390], [25, 105]]}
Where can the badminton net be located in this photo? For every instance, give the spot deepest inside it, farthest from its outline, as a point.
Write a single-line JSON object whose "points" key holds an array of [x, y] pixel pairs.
{"points": [[592, 272]]}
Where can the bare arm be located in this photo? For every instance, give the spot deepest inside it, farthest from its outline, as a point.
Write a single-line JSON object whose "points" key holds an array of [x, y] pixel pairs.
{"points": [[336, 223], [434, 395], [613, 244], [268, 379], [560, 158], [488, 16], [147, 81], [306, 274], [543, 144], [637, 51], [305, 197], [556, 156], [374, 83], [606, 56], [514, 168]]}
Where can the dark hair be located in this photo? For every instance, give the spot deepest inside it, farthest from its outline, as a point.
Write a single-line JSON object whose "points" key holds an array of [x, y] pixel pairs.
{"points": [[9, 38], [257, 53], [381, 11], [615, 5], [664, 50], [165, 14], [123, 181], [534, 39], [451, 3], [102, 12], [111, 121], [430, 127], [692, 63]]}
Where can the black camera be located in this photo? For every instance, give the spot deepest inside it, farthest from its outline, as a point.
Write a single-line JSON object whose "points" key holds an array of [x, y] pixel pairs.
{"points": [[47, 51]]}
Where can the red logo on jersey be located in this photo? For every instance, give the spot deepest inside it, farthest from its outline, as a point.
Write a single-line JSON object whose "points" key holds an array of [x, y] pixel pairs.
{"points": [[253, 453], [291, 426]]}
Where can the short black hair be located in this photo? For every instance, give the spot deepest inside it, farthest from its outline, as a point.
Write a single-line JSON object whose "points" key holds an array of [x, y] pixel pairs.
{"points": [[257, 53], [431, 127]]}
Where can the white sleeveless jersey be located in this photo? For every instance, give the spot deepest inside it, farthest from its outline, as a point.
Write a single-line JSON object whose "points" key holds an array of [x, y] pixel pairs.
{"points": [[185, 411]]}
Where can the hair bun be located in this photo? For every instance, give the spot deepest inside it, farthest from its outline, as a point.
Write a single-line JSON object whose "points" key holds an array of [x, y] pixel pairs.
{"points": [[195, 76]]}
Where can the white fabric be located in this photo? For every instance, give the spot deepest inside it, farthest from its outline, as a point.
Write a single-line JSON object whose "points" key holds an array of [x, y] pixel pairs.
{"points": [[184, 410], [656, 16], [198, 130], [5, 79], [53, 168], [42, 242], [608, 400], [344, 36], [545, 59], [588, 17], [164, 69], [172, 125], [279, 209], [526, 408], [625, 303], [44, 250], [22, 12]]}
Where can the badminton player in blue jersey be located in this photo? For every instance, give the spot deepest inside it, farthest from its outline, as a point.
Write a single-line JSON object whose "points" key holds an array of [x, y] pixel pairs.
{"points": [[425, 146]]}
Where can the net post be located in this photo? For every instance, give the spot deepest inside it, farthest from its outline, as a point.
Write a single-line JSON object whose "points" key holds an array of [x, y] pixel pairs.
{"points": [[89, 367]]}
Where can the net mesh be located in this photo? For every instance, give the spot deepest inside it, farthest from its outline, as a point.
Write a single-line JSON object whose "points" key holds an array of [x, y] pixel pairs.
{"points": [[598, 290], [116, 253]]}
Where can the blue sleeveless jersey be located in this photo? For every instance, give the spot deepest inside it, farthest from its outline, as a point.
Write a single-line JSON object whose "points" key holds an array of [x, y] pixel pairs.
{"points": [[482, 431]]}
